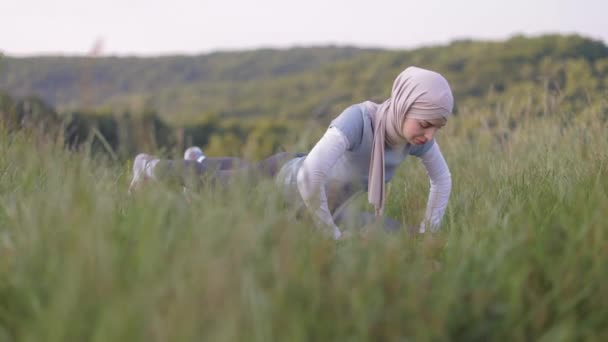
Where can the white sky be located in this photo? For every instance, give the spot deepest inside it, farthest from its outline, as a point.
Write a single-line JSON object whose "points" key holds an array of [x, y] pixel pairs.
{"points": [[151, 27]]}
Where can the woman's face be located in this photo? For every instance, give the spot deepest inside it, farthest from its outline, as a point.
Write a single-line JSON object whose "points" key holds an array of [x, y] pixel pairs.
{"points": [[418, 132]]}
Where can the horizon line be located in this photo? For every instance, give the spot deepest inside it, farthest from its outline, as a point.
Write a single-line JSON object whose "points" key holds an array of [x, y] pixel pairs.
{"points": [[97, 50]]}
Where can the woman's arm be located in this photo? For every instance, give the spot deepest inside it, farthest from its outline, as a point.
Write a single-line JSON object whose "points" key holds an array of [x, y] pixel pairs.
{"points": [[441, 186], [313, 174]]}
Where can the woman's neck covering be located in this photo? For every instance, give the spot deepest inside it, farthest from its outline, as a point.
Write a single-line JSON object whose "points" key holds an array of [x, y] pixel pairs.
{"points": [[418, 94]]}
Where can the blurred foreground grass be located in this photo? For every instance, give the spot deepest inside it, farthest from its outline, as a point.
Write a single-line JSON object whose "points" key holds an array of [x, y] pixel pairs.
{"points": [[522, 255]]}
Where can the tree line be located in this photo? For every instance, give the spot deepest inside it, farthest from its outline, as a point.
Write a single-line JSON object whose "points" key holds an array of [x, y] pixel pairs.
{"points": [[254, 103]]}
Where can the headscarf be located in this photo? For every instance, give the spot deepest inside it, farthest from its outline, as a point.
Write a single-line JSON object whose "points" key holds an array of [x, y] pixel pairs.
{"points": [[417, 93]]}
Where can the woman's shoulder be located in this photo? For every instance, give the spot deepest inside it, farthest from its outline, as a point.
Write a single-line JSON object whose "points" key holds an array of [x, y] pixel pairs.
{"points": [[353, 110], [355, 114], [351, 122]]}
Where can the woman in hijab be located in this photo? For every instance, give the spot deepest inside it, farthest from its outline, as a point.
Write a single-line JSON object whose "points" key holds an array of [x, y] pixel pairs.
{"points": [[359, 152], [365, 144]]}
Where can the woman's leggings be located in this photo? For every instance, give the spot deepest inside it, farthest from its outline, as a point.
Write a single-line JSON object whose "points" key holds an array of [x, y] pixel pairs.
{"points": [[193, 174]]}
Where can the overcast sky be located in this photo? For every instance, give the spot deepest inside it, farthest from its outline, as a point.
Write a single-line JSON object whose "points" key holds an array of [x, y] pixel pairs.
{"points": [[148, 27]]}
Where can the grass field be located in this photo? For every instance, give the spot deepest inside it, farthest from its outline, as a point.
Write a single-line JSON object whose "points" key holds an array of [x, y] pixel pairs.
{"points": [[522, 254]]}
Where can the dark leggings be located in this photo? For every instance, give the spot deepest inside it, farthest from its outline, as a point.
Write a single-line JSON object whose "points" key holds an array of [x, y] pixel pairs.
{"points": [[221, 170]]}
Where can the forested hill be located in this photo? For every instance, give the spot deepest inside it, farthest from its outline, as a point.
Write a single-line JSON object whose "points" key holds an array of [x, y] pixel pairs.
{"points": [[66, 82], [304, 82]]}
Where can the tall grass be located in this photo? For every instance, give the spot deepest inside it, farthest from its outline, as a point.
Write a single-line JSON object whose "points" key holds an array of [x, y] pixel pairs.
{"points": [[522, 255]]}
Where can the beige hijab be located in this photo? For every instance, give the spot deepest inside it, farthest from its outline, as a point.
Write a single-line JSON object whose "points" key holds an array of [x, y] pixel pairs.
{"points": [[417, 93]]}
